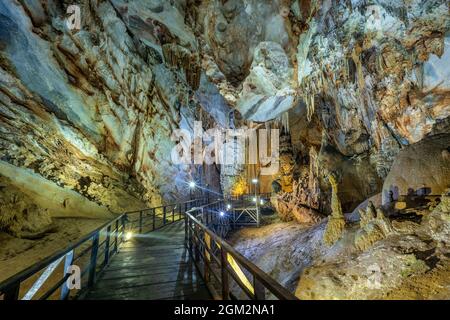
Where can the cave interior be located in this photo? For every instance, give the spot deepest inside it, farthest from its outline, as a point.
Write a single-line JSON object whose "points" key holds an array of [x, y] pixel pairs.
{"points": [[337, 111]]}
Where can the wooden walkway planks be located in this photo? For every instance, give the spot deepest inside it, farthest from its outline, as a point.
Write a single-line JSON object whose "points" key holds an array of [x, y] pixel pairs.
{"points": [[153, 266]]}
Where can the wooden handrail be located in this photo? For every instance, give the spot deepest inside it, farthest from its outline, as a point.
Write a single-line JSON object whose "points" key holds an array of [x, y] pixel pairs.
{"points": [[115, 234], [116, 226], [196, 227]]}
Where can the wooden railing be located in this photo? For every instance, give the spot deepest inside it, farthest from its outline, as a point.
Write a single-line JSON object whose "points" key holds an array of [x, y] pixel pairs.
{"points": [[219, 263], [249, 197], [147, 220], [47, 279], [91, 254]]}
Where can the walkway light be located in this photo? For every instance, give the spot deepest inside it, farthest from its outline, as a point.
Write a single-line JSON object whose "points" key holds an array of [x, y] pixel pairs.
{"points": [[128, 235], [261, 202], [192, 184], [255, 181], [222, 213], [254, 199], [228, 206]]}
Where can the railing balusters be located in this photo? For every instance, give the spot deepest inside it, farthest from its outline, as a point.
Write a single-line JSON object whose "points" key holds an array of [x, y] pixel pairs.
{"points": [[116, 235], [201, 242], [196, 245], [207, 245], [164, 215], [224, 274], [232, 263], [186, 231], [108, 235], [93, 261], [12, 292], [260, 290], [67, 264], [154, 218]]}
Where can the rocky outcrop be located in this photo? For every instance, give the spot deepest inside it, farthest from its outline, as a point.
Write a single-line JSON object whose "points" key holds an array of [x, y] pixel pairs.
{"points": [[89, 113], [369, 75], [21, 218], [336, 221], [410, 264], [422, 168], [374, 227]]}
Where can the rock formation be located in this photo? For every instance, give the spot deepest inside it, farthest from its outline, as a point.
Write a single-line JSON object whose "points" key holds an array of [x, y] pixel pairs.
{"points": [[374, 227], [297, 205], [336, 221]]}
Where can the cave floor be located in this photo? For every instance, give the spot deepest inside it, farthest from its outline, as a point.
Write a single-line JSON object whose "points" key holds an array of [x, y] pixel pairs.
{"points": [[153, 266]]}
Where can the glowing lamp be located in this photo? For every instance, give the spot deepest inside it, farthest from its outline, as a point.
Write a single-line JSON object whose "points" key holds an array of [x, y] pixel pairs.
{"points": [[192, 184], [128, 235]]}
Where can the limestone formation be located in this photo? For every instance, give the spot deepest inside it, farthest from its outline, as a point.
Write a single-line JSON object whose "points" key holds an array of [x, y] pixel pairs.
{"points": [[287, 163], [374, 226], [336, 221], [21, 218], [412, 175], [297, 205]]}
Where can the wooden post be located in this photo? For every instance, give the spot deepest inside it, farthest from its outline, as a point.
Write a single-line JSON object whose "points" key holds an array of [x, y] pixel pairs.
{"points": [[197, 249], [260, 290], [141, 217], [154, 218], [108, 234], [173, 213], [189, 237], [258, 216], [180, 214], [206, 254], [12, 292], [224, 274], [67, 264], [164, 215], [93, 262], [116, 235], [124, 218], [186, 231]]}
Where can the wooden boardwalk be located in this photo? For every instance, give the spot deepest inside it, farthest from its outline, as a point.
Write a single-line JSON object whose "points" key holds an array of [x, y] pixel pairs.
{"points": [[153, 266]]}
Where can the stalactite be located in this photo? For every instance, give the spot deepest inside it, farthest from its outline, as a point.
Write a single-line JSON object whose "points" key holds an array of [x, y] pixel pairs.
{"points": [[313, 177], [285, 121], [310, 107], [357, 60], [287, 163], [179, 57], [193, 71]]}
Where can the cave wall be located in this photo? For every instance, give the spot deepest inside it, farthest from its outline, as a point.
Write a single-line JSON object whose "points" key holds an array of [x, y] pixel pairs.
{"points": [[86, 116], [370, 76], [90, 112]]}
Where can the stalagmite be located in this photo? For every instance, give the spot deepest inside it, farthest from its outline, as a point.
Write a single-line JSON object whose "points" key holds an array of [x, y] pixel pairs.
{"points": [[336, 222], [374, 227]]}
